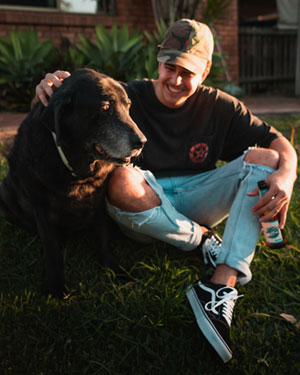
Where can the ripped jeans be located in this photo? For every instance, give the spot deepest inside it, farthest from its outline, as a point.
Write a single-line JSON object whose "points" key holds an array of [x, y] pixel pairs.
{"points": [[206, 198]]}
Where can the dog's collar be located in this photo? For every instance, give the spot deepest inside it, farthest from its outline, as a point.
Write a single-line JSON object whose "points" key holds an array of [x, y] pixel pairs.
{"points": [[63, 156]]}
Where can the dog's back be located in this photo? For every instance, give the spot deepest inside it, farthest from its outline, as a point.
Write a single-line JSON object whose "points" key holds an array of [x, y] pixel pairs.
{"points": [[14, 203]]}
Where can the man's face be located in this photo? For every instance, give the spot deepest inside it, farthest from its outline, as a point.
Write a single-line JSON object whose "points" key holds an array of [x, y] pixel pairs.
{"points": [[176, 84]]}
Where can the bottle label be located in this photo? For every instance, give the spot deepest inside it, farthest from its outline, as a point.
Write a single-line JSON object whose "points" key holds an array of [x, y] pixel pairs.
{"points": [[272, 232]]}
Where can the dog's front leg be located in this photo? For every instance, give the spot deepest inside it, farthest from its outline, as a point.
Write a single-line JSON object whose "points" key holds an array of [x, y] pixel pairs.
{"points": [[103, 234], [54, 282]]}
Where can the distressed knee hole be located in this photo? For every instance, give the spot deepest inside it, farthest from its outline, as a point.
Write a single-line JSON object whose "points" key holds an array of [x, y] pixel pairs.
{"points": [[263, 156]]}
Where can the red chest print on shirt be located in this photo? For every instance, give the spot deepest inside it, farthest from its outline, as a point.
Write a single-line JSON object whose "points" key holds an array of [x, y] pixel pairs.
{"points": [[198, 152]]}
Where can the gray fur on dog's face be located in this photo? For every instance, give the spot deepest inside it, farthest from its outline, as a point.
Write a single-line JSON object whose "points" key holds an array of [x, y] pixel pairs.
{"points": [[90, 115]]}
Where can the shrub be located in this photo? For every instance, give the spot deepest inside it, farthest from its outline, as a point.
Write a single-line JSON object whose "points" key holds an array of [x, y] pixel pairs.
{"points": [[114, 52], [23, 61]]}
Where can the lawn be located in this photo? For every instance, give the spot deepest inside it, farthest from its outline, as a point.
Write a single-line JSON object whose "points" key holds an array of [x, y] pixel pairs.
{"points": [[145, 327]]}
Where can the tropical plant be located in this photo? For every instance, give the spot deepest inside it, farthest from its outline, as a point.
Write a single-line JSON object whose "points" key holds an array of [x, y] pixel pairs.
{"points": [[114, 52], [69, 57], [168, 9], [23, 61], [157, 36], [214, 10], [149, 68]]}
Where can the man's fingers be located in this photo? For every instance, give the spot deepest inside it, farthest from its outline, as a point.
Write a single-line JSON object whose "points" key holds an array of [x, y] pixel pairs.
{"points": [[62, 74], [42, 96], [46, 87], [262, 205], [50, 80], [268, 206], [276, 206], [283, 216], [270, 216], [44, 100]]}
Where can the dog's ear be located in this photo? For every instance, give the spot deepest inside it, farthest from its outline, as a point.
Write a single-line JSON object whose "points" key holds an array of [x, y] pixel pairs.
{"points": [[53, 114]]}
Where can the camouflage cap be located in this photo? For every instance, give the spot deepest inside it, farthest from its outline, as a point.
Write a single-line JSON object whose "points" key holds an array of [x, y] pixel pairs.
{"points": [[189, 44]]}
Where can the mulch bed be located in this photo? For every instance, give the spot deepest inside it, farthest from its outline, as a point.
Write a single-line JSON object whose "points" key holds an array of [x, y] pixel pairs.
{"points": [[9, 123], [5, 145]]}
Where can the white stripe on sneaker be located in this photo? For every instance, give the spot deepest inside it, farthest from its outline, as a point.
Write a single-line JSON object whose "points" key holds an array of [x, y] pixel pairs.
{"points": [[207, 327]]}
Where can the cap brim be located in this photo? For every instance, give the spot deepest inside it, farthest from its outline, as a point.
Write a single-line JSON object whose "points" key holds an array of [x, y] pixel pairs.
{"points": [[194, 64]]}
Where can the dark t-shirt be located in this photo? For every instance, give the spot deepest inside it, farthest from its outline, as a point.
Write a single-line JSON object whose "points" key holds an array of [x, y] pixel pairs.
{"points": [[210, 126]]}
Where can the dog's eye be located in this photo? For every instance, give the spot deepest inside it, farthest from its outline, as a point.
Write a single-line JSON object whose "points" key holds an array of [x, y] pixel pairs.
{"points": [[105, 107]]}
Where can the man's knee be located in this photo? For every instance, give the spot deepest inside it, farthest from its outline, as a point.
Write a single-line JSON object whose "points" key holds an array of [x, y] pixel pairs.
{"points": [[129, 191], [263, 156]]}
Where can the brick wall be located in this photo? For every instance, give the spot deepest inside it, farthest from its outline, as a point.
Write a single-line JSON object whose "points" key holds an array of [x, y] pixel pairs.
{"points": [[54, 24], [228, 30], [137, 14]]}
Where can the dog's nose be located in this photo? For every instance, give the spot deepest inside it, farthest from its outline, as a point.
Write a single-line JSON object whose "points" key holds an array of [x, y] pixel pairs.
{"points": [[139, 141]]}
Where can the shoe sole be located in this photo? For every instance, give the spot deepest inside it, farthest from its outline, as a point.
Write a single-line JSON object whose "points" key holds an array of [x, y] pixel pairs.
{"points": [[207, 328]]}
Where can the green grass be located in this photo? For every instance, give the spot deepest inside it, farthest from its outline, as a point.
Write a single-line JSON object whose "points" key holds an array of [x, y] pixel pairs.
{"points": [[144, 327]]}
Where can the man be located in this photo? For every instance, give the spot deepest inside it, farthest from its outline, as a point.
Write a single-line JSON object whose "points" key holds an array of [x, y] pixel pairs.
{"points": [[175, 193]]}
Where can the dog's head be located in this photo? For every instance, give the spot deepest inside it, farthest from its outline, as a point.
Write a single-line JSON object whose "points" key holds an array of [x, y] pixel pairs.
{"points": [[89, 114]]}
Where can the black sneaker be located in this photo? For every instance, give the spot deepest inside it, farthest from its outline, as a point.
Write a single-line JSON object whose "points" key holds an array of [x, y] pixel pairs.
{"points": [[211, 247], [213, 305]]}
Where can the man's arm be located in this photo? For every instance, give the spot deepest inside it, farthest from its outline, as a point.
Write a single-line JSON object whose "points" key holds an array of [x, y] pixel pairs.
{"points": [[280, 183]]}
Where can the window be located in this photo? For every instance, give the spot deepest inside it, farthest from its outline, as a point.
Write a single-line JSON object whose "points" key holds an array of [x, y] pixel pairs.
{"points": [[107, 6], [30, 3], [102, 6]]}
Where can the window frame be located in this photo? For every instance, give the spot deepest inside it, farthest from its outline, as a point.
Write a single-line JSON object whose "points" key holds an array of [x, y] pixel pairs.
{"points": [[108, 9]]}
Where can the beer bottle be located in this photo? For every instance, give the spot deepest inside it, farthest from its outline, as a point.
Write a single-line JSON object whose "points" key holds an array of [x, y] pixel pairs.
{"points": [[274, 236]]}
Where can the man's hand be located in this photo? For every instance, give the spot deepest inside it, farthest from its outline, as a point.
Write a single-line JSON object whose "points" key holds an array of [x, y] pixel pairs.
{"points": [[280, 183], [46, 87], [276, 200]]}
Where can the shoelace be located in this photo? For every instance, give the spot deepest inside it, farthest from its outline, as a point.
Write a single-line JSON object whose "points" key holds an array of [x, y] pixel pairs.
{"points": [[215, 246], [227, 300]]}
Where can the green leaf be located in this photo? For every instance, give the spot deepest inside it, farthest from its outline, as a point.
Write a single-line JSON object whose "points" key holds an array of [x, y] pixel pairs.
{"points": [[16, 43], [23, 62], [114, 35], [123, 35], [103, 40]]}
